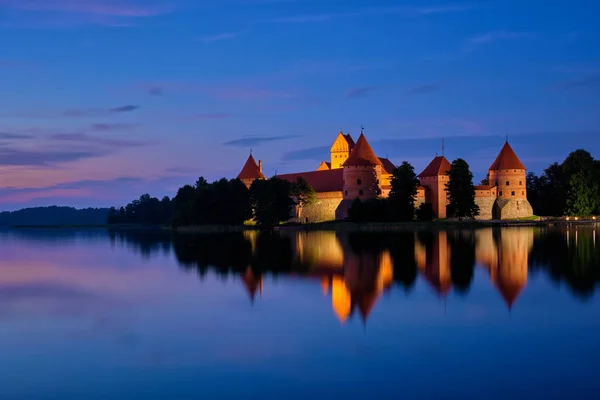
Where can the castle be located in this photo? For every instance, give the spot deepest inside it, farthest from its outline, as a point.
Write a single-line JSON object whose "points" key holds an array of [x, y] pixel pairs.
{"points": [[354, 171]]}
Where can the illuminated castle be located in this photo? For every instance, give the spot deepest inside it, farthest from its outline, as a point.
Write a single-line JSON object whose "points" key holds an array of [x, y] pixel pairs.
{"points": [[354, 171]]}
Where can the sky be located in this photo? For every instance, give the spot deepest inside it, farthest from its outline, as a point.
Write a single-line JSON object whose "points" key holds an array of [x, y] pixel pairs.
{"points": [[103, 100]]}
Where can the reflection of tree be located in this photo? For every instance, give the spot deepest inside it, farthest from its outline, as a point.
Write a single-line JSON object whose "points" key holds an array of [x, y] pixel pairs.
{"points": [[569, 254], [462, 259]]}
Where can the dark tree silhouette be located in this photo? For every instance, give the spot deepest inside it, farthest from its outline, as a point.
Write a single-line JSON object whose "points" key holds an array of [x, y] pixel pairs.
{"points": [[461, 192], [271, 201], [402, 195]]}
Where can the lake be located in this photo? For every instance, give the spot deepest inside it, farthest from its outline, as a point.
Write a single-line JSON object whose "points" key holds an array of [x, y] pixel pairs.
{"points": [[487, 313]]}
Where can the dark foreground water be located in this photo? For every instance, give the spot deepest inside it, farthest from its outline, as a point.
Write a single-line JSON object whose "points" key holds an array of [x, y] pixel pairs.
{"points": [[510, 313]]}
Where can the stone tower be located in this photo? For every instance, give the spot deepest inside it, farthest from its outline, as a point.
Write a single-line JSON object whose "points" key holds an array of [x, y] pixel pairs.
{"points": [[509, 176], [251, 171], [341, 149], [434, 178], [362, 175]]}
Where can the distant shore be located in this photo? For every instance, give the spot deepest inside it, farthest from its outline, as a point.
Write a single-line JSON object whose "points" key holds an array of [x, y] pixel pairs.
{"points": [[342, 226]]}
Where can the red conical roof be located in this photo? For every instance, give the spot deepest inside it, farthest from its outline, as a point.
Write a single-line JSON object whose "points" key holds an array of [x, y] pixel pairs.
{"points": [[251, 170], [362, 154], [438, 166], [509, 291], [507, 159]]}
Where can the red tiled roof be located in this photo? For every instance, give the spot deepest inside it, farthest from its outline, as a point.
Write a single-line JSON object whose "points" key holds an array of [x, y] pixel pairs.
{"points": [[349, 140], [362, 154], [509, 291], [322, 181], [251, 170], [438, 166], [507, 159], [484, 187], [388, 166]]}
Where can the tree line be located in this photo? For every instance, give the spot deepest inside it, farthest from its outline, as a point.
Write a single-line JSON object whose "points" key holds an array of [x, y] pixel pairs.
{"points": [[400, 204], [570, 188], [268, 202]]}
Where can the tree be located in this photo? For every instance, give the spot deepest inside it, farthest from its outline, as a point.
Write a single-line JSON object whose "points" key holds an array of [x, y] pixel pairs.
{"points": [[583, 194], [303, 193], [425, 212], [461, 192], [271, 201], [403, 192], [485, 181]]}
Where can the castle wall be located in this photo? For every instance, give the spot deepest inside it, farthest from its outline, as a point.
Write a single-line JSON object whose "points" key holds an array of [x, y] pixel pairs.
{"points": [[323, 209], [511, 209], [511, 183], [486, 205], [438, 195]]}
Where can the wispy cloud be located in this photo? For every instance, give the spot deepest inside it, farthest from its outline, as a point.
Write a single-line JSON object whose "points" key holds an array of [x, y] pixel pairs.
{"points": [[372, 11], [210, 116], [118, 8], [312, 153], [218, 37], [121, 109], [257, 141], [583, 82], [359, 92], [90, 112], [80, 137], [10, 136], [424, 89], [156, 91], [488, 38], [112, 127], [19, 157]]}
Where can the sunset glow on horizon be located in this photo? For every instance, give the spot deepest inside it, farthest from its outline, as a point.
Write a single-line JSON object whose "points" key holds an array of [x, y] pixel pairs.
{"points": [[104, 100]]}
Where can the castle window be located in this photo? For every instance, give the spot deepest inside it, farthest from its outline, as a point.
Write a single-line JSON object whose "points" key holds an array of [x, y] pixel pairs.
{"points": [[522, 193], [507, 183], [358, 181], [360, 192], [520, 183], [500, 193], [512, 193], [346, 192]]}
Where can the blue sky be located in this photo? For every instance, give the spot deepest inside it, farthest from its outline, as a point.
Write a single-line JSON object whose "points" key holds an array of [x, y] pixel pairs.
{"points": [[103, 100]]}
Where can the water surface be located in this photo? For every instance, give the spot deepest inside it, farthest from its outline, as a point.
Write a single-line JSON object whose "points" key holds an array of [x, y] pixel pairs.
{"points": [[488, 313]]}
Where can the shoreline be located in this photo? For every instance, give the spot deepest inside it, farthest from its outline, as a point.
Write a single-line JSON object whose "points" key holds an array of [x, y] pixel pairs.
{"points": [[338, 226]]}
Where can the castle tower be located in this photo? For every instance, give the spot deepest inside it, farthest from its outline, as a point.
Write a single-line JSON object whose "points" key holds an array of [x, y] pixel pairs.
{"points": [[251, 171], [509, 175], [340, 150], [362, 175], [434, 179]]}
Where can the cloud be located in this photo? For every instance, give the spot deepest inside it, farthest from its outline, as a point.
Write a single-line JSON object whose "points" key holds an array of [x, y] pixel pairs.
{"points": [[584, 82], [9, 136], [492, 37], [373, 11], [312, 153], [218, 37], [210, 116], [424, 89], [156, 91], [181, 170], [257, 141], [121, 109], [112, 127], [91, 112], [359, 92], [48, 157], [119, 8], [110, 142]]}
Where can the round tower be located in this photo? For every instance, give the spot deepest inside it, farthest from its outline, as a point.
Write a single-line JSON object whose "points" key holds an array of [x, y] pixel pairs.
{"points": [[508, 174], [362, 172]]}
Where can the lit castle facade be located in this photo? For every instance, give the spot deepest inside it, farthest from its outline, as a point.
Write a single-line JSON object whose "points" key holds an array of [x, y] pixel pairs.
{"points": [[354, 171]]}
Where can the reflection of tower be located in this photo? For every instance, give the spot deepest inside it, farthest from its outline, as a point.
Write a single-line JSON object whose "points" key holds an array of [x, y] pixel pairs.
{"points": [[320, 250], [252, 283], [434, 263], [508, 266], [366, 276]]}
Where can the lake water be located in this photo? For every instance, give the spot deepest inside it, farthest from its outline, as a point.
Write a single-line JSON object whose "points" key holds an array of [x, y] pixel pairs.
{"points": [[504, 313]]}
